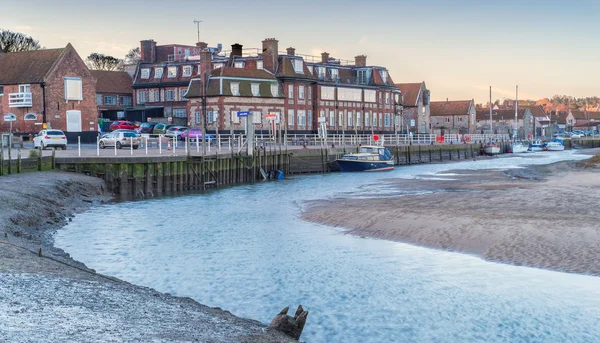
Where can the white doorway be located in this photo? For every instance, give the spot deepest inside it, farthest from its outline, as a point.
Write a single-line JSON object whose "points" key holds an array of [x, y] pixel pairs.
{"points": [[73, 121]]}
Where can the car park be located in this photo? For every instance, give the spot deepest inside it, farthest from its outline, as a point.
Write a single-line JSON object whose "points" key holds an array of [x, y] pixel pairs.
{"points": [[147, 127], [50, 138], [121, 125], [160, 129], [175, 131], [119, 139]]}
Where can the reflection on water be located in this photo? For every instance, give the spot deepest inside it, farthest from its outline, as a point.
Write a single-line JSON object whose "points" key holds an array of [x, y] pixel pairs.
{"points": [[245, 249]]}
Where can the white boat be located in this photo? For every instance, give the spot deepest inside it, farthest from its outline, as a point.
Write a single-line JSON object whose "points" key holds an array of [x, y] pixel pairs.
{"points": [[369, 158], [536, 146], [491, 148], [518, 147], [555, 146]]}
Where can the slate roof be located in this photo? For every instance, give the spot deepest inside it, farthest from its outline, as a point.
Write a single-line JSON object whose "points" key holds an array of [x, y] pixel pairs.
{"points": [[27, 66], [448, 108], [179, 79], [112, 82], [410, 92], [251, 73]]}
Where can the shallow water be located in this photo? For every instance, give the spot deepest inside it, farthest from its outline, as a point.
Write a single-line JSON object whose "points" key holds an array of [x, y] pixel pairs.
{"points": [[245, 249]]}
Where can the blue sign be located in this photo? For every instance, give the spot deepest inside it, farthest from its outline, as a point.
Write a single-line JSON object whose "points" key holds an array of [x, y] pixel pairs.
{"points": [[243, 114]]}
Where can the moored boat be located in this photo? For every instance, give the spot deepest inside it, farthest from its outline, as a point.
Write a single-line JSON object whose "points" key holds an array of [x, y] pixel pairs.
{"points": [[491, 148], [536, 146], [518, 147], [368, 158], [554, 146]]}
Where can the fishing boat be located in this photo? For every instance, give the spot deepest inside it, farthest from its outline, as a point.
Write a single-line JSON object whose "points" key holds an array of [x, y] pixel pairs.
{"points": [[368, 158], [518, 147], [536, 146], [554, 146], [491, 148]]}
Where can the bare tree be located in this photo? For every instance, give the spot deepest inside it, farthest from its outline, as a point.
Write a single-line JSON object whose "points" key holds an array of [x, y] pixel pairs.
{"points": [[15, 41], [133, 56], [98, 61]]}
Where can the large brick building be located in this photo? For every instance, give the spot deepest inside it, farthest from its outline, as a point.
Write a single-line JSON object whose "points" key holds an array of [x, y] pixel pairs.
{"points": [[306, 93], [416, 107], [52, 86]]}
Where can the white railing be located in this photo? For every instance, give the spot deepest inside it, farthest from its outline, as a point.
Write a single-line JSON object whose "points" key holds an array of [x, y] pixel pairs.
{"points": [[19, 100]]}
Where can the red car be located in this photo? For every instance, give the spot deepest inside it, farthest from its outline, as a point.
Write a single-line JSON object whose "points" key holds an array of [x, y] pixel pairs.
{"points": [[121, 125]]}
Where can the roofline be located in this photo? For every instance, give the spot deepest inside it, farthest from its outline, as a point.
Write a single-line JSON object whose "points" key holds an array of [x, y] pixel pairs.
{"points": [[242, 78]]}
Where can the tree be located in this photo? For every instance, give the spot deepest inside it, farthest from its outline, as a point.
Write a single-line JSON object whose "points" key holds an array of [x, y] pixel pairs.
{"points": [[15, 41], [98, 61], [133, 56]]}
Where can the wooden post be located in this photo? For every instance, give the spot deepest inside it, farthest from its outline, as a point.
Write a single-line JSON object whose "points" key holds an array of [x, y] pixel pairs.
{"points": [[1, 156], [19, 161]]}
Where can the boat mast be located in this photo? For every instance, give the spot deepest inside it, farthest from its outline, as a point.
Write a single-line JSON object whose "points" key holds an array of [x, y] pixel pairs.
{"points": [[516, 110], [491, 126]]}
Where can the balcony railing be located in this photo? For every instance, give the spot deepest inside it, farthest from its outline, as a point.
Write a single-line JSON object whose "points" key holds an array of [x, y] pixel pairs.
{"points": [[19, 100]]}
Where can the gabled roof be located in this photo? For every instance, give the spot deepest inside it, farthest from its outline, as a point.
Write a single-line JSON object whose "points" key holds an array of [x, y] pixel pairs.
{"points": [[538, 111], [448, 108], [410, 92], [27, 66], [112, 81]]}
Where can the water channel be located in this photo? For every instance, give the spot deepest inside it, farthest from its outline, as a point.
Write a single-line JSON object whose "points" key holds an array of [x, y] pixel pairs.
{"points": [[246, 250]]}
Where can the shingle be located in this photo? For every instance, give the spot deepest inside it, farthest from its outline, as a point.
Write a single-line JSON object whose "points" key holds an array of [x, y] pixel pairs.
{"points": [[112, 81], [447, 108], [410, 92], [27, 66]]}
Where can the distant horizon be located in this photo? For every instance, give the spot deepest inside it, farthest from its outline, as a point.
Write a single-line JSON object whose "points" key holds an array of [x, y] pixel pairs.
{"points": [[457, 48]]}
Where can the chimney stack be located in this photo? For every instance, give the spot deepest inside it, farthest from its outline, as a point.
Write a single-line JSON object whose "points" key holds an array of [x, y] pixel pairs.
{"points": [[202, 45], [236, 49], [360, 60], [325, 57], [291, 51], [270, 54], [148, 51]]}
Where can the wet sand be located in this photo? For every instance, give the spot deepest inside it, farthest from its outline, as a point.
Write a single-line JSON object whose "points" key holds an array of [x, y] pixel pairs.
{"points": [[543, 216]]}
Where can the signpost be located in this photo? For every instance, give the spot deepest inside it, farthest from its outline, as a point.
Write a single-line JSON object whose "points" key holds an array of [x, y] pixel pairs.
{"points": [[243, 114], [10, 118]]}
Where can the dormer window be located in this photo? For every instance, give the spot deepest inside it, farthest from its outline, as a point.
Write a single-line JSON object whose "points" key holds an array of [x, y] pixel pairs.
{"points": [[235, 88], [187, 71], [298, 66], [384, 75], [172, 72], [255, 87], [158, 72], [362, 77], [259, 64], [217, 65], [275, 90], [239, 64], [321, 72], [334, 74], [145, 73]]}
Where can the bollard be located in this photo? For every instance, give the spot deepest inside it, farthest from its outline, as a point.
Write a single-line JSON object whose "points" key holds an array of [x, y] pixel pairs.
{"points": [[98, 146], [186, 149], [159, 145], [197, 144], [174, 145], [131, 146], [115, 148], [146, 145], [79, 145]]}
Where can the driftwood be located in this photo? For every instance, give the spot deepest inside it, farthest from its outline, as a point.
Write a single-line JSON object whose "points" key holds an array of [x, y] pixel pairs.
{"points": [[291, 326]]}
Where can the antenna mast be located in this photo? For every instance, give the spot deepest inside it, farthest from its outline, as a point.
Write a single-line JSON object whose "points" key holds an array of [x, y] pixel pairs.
{"points": [[197, 22]]}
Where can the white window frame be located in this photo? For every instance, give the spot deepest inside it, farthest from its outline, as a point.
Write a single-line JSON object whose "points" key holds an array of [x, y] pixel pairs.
{"points": [[387, 98], [361, 76], [259, 64], [301, 118], [350, 119], [255, 88], [256, 117], [234, 117], [142, 97], [156, 95], [309, 118], [158, 72], [125, 103], [187, 71], [335, 74], [367, 119], [370, 95], [110, 103], [358, 122], [309, 92], [70, 83], [301, 92], [290, 91], [384, 76], [238, 64], [235, 88], [145, 73], [321, 72], [298, 65], [180, 113], [327, 93], [332, 118], [290, 117], [275, 90], [25, 117], [170, 98], [172, 72]]}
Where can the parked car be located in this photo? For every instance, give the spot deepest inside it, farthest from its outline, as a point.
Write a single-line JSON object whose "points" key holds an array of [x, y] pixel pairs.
{"points": [[120, 139], [194, 134], [147, 127], [160, 129], [575, 135], [50, 138], [175, 131], [121, 125]]}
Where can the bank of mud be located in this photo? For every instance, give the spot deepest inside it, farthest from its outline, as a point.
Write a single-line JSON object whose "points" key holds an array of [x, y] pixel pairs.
{"points": [[46, 296], [539, 216]]}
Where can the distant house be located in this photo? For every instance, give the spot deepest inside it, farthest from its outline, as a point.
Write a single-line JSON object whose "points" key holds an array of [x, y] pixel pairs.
{"points": [[503, 121], [113, 93], [452, 117], [51, 86], [416, 106], [581, 120]]}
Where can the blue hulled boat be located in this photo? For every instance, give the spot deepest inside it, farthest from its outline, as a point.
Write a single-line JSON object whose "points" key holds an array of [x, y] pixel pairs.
{"points": [[368, 158]]}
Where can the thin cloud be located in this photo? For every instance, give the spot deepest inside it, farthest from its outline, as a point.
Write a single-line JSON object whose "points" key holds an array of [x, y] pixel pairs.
{"points": [[25, 28]]}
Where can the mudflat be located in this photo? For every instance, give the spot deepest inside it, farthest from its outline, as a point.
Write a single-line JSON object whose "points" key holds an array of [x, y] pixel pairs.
{"points": [[541, 216]]}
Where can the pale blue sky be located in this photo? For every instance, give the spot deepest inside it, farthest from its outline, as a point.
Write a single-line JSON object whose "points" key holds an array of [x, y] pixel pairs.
{"points": [[459, 48]]}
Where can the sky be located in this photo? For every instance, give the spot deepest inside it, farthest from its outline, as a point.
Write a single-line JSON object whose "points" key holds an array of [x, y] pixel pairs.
{"points": [[458, 47]]}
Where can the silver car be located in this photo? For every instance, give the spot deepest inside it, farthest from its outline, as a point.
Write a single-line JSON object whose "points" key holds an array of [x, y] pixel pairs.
{"points": [[120, 139]]}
